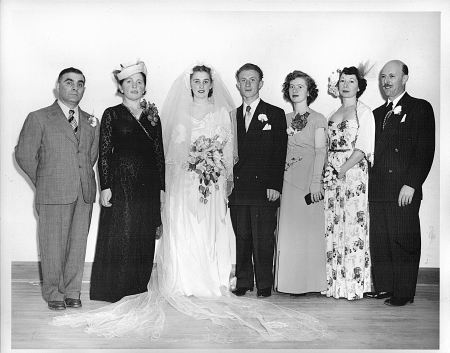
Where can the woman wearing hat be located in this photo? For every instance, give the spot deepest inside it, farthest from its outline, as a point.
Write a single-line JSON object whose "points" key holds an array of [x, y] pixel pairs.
{"points": [[131, 172]]}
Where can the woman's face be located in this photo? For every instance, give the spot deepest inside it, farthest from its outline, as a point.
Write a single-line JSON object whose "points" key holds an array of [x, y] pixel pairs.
{"points": [[133, 87], [348, 86], [200, 84], [298, 90]]}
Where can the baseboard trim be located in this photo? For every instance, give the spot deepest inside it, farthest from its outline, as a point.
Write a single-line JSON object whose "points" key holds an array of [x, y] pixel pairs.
{"points": [[29, 271]]}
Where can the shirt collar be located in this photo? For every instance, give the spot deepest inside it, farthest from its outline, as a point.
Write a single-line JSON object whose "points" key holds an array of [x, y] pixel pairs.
{"points": [[66, 109], [253, 105], [395, 101]]}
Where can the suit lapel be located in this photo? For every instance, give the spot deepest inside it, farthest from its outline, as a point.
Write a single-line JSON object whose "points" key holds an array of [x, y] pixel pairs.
{"points": [[392, 124], [58, 118], [255, 124]]}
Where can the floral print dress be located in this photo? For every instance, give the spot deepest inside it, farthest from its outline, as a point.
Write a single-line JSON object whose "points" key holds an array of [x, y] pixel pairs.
{"points": [[346, 208]]}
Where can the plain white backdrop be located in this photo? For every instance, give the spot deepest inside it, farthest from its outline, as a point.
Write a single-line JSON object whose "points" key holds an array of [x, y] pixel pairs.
{"points": [[44, 38], [40, 38]]}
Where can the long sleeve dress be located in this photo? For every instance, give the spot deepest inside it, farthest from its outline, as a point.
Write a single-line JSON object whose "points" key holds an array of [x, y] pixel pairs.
{"points": [[300, 254], [347, 209], [131, 164]]}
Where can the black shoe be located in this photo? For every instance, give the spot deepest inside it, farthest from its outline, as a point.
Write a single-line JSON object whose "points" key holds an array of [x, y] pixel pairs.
{"points": [[72, 303], [241, 291], [298, 295], [398, 301], [56, 305], [264, 293], [377, 295]]}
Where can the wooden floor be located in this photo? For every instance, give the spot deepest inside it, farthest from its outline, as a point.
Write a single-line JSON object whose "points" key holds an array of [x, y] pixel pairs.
{"points": [[362, 324]]}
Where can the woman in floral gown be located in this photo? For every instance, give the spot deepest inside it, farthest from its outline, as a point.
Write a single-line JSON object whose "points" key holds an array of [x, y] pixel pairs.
{"points": [[351, 134]]}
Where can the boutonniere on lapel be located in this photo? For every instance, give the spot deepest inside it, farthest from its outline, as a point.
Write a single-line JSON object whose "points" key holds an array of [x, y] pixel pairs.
{"points": [[151, 111], [397, 110], [92, 120], [263, 118]]}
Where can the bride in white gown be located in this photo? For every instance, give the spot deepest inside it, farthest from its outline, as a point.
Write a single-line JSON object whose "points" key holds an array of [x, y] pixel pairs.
{"points": [[194, 257]]}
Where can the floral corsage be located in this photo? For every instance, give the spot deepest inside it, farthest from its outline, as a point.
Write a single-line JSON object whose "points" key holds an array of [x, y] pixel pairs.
{"points": [[262, 117], [298, 123], [330, 176], [397, 109], [151, 111], [332, 83], [92, 120]]}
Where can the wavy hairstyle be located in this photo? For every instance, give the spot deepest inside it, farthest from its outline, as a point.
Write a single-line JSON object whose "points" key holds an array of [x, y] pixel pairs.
{"points": [[310, 84], [362, 82], [202, 68]]}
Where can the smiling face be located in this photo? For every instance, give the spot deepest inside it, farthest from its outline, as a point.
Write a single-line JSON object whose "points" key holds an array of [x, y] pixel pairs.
{"points": [[249, 84], [348, 86], [393, 79], [70, 89], [298, 90], [200, 85], [133, 87]]}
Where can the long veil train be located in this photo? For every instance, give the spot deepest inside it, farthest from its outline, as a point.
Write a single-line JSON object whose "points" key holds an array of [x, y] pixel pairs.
{"points": [[227, 318]]}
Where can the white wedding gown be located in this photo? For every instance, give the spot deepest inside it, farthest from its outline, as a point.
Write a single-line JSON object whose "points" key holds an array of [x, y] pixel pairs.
{"points": [[194, 261]]}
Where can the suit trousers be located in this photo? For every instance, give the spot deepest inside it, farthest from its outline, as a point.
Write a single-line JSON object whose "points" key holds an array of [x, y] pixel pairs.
{"points": [[254, 227], [63, 231], [395, 246]]}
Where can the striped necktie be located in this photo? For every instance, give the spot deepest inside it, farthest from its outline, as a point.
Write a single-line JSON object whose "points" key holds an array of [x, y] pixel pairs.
{"points": [[388, 114], [73, 121]]}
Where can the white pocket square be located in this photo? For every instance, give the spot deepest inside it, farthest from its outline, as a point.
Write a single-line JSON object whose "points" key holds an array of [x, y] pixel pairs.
{"points": [[403, 119], [267, 127]]}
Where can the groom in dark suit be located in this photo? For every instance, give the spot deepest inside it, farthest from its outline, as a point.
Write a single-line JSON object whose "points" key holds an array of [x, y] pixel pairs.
{"points": [[258, 181], [404, 152], [57, 149]]}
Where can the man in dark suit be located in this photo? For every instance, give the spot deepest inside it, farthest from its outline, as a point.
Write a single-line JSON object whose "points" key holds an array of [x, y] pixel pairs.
{"points": [[258, 181], [404, 152], [57, 149]]}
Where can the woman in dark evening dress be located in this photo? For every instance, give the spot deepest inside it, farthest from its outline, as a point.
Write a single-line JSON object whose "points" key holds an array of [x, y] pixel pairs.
{"points": [[131, 169]]}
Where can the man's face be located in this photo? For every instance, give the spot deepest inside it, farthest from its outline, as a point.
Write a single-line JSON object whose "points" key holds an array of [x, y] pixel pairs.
{"points": [[71, 89], [249, 84], [393, 80]]}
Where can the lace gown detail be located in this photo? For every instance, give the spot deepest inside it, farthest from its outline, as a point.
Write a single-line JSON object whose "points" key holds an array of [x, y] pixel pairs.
{"points": [[131, 164], [347, 218]]}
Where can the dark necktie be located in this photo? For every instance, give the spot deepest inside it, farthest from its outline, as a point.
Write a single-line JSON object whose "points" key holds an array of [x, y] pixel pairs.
{"points": [[248, 117], [388, 111], [73, 121]]}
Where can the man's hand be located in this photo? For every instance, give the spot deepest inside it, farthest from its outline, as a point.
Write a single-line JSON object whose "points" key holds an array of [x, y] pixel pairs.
{"points": [[406, 195], [105, 196], [272, 195]]}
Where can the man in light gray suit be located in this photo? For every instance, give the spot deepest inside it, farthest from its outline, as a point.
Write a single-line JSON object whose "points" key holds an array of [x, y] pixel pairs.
{"points": [[57, 149]]}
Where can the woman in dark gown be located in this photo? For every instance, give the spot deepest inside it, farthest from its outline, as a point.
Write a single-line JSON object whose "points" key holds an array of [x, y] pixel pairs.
{"points": [[131, 169]]}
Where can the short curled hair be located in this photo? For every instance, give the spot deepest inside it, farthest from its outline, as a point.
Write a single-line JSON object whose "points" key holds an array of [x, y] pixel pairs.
{"points": [[70, 70], [249, 66], [115, 72], [310, 85], [362, 82], [202, 68]]}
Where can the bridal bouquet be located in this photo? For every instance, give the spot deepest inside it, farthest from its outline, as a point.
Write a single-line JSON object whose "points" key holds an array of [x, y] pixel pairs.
{"points": [[206, 159]]}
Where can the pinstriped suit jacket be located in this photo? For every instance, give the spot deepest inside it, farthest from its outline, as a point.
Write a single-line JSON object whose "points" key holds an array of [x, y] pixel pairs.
{"points": [[56, 160]]}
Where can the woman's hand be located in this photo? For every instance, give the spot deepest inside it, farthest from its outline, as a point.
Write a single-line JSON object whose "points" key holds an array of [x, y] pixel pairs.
{"points": [[105, 196], [316, 192]]}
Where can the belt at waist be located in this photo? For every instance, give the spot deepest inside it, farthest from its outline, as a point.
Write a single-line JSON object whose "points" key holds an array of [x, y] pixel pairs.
{"points": [[340, 150]]}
